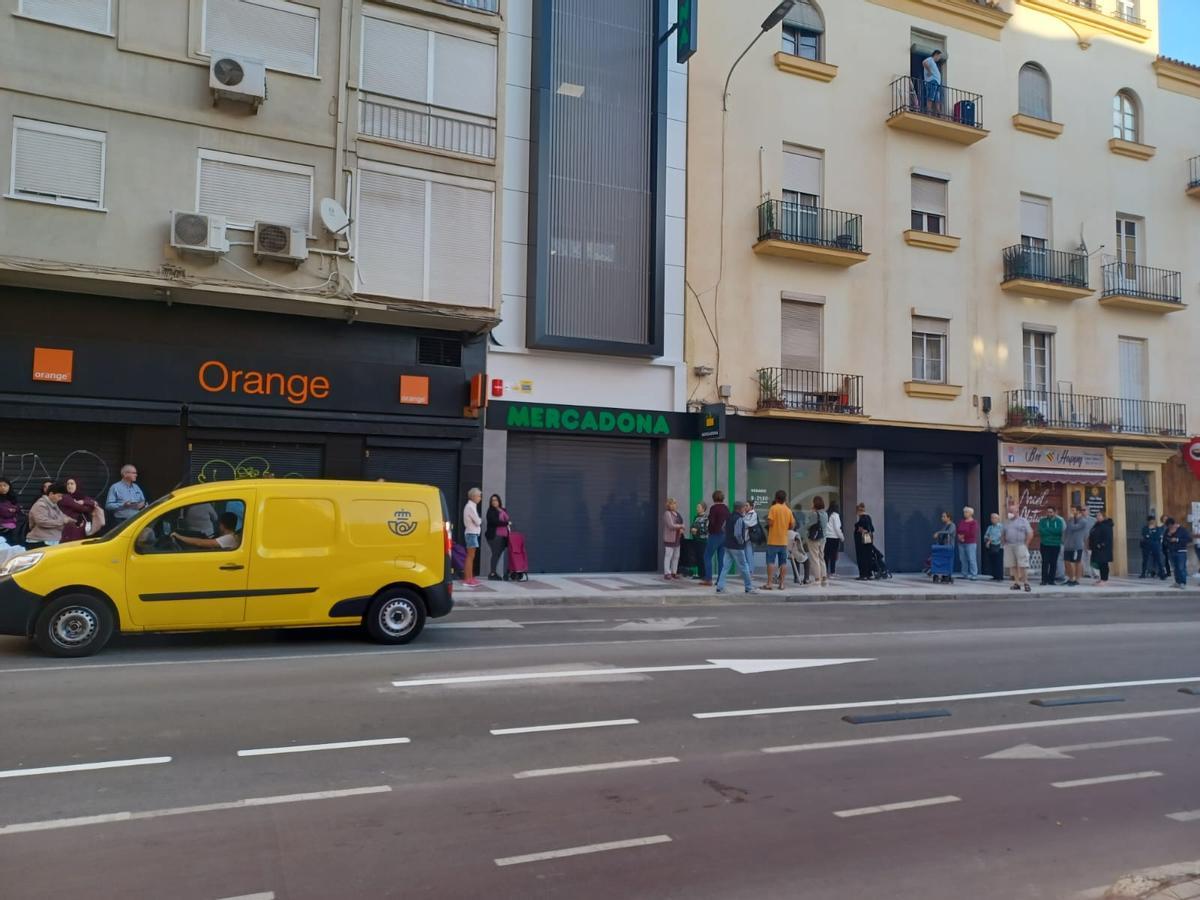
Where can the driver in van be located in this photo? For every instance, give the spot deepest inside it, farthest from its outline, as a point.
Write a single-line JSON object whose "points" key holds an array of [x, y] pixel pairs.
{"points": [[227, 537]]}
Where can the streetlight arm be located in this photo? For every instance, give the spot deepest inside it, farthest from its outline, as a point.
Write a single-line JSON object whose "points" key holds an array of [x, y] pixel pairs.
{"points": [[725, 94]]}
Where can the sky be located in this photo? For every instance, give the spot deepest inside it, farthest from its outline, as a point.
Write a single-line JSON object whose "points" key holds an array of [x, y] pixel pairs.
{"points": [[1179, 24]]}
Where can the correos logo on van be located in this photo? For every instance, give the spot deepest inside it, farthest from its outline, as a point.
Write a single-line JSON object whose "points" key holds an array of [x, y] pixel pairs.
{"points": [[402, 525]]}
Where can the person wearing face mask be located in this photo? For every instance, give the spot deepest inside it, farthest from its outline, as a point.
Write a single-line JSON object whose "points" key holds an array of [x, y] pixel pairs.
{"points": [[10, 512], [1017, 535]]}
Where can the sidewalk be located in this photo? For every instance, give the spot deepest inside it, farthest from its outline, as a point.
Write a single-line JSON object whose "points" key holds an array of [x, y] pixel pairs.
{"points": [[644, 589]]}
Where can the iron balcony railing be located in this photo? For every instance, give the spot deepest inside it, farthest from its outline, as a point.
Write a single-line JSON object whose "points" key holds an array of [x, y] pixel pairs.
{"points": [[1043, 264], [911, 95], [481, 5], [1125, 280], [427, 126], [1031, 408], [1125, 15], [784, 220], [806, 390], [1194, 172], [1116, 13]]}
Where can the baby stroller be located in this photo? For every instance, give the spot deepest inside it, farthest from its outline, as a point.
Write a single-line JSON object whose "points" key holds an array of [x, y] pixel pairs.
{"points": [[879, 566], [518, 560], [941, 563]]}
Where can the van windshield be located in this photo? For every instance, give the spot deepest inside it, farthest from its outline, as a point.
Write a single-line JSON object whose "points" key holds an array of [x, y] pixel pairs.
{"points": [[119, 529]]}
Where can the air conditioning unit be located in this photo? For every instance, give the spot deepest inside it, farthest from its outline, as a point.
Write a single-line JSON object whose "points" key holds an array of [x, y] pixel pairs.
{"points": [[198, 233], [283, 242], [237, 78]]}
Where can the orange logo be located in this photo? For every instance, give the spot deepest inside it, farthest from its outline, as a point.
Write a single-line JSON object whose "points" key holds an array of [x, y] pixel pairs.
{"points": [[215, 377], [53, 365], [414, 389]]}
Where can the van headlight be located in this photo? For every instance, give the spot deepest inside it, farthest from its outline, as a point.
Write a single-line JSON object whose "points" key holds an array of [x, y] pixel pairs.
{"points": [[20, 563]]}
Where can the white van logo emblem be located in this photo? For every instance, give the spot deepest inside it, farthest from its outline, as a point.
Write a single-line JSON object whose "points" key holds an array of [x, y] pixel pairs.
{"points": [[402, 525]]}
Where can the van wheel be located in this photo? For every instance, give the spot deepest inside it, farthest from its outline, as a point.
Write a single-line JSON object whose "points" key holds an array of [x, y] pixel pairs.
{"points": [[396, 617], [74, 625]]}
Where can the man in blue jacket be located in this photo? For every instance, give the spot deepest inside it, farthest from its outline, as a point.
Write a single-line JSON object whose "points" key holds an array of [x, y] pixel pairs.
{"points": [[1152, 549], [1176, 542]]}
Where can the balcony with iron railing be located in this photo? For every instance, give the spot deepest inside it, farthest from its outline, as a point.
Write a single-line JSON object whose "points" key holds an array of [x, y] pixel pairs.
{"points": [[816, 394], [420, 124], [810, 233], [1087, 17], [1142, 288], [1032, 410], [1042, 272], [1193, 187], [936, 111]]}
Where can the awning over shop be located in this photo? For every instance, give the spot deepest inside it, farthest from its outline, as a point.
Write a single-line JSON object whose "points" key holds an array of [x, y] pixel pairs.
{"points": [[1056, 476]]}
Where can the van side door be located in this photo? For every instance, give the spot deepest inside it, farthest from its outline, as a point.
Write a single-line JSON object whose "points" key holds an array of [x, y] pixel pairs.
{"points": [[293, 560]]}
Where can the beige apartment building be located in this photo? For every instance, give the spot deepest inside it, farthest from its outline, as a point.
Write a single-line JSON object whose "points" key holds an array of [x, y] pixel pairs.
{"points": [[920, 285], [248, 237]]}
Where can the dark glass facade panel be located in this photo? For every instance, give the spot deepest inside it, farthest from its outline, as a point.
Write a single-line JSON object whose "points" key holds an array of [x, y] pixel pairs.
{"points": [[598, 167]]}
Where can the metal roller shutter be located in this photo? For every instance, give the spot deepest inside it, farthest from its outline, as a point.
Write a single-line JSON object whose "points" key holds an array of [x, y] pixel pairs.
{"points": [[585, 504], [227, 461], [916, 496], [436, 467], [31, 454]]}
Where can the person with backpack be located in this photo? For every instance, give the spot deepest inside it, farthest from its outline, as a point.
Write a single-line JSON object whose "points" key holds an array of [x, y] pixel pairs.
{"points": [[864, 543], [816, 520], [779, 521], [738, 544]]}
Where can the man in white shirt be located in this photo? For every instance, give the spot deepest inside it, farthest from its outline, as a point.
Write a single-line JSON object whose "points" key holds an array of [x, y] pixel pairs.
{"points": [[472, 529], [933, 83], [227, 537]]}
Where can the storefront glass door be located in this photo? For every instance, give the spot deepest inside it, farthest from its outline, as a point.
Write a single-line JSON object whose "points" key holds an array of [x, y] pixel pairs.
{"points": [[803, 479]]}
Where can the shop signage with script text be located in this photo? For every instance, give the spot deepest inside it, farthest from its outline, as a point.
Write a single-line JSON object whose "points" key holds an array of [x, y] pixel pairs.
{"points": [[1052, 456]]}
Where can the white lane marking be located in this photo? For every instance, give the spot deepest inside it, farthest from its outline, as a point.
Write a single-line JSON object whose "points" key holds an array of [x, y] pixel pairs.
{"points": [[742, 666], [488, 624], [1033, 751], [894, 807], [87, 767], [410, 651], [310, 748], [983, 729], [265, 895], [948, 698], [566, 622], [597, 767], [581, 851], [54, 824], [568, 726], [1190, 816], [1107, 779]]}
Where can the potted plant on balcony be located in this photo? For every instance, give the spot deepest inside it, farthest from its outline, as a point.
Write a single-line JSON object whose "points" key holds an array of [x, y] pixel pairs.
{"points": [[1018, 416], [769, 396]]}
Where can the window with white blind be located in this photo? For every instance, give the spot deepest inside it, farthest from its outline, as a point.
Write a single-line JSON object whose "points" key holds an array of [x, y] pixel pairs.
{"points": [[1038, 359], [929, 349], [57, 164], [283, 35], [1035, 221], [424, 239], [87, 15], [801, 335], [247, 189], [929, 204], [1033, 91], [423, 66]]}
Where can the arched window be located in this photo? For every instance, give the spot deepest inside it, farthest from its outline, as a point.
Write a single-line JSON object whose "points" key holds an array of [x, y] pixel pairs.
{"points": [[804, 31], [1127, 117], [1033, 92]]}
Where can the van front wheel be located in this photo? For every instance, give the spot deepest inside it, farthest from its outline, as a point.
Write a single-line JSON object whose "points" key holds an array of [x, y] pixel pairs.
{"points": [[74, 625], [396, 617]]}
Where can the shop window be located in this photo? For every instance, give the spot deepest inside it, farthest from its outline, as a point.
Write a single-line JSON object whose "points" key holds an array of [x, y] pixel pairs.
{"points": [[1033, 91], [248, 189], [929, 204], [802, 479], [57, 164], [213, 526], [1127, 124], [804, 31], [929, 349], [86, 15], [283, 35]]}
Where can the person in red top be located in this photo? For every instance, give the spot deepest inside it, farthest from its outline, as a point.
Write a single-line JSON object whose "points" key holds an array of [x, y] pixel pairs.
{"points": [[968, 544], [718, 515]]}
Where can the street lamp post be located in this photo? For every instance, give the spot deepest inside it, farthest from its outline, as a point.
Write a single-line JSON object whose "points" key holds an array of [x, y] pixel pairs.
{"points": [[776, 16]]}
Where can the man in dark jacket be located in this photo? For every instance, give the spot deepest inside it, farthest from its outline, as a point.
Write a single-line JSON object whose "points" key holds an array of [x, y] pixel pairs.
{"points": [[718, 517], [739, 547], [1177, 541], [1152, 549]]}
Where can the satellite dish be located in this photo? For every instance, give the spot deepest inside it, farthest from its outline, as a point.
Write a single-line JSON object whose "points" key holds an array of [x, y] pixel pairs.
{"points": [[333, 217]]}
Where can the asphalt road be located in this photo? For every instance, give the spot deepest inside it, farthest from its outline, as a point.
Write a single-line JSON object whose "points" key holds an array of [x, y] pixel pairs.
{"points": [[634, 766]]}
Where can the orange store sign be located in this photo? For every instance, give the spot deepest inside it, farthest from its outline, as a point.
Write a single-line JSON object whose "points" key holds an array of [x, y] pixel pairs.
{"points": [[216, 377], [53, 365]]}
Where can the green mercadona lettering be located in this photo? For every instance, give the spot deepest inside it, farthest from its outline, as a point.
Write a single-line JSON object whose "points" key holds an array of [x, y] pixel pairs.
{"points": [[568, 418]]}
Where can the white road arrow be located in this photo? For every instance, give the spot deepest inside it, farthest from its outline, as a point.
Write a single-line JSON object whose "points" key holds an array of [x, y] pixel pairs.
{"points": [[744, 666], [1033, 751], [668, 624]]}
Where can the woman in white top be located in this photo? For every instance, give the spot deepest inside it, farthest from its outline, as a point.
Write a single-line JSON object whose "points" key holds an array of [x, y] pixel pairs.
{"points": [[472, 529], [833, 539]]}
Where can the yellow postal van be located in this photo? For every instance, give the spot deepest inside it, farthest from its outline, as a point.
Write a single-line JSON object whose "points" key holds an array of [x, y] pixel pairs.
{"points": [[270, 553]]}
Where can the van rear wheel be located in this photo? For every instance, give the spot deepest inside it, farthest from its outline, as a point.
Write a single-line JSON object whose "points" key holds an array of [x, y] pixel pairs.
{"points": [[73, 625], [396, 617]]}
